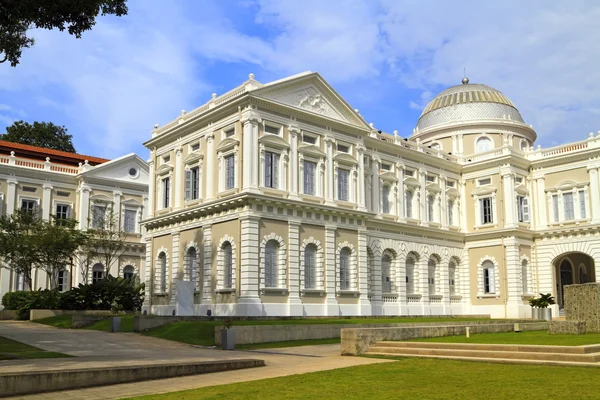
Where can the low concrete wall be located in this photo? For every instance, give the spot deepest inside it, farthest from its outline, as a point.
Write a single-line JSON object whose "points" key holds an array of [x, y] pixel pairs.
{"points": [[40, 314], [249, 334], [81, 320], [567, 328], [144, 322], [357, 341], [582, 303], [13, 384], [8, 314]]}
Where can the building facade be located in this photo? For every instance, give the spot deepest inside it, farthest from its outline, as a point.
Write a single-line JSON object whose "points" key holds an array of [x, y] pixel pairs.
{"points": [[279, 199], [67, 185]]}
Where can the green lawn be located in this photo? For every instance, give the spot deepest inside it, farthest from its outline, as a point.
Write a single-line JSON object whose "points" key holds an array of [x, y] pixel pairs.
{"points": [[64, 321], [530, 337], [413, 379], [202, 332], [11, 349], [59, 321]]}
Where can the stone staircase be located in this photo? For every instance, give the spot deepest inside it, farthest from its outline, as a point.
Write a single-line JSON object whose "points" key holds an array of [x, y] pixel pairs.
{"points": [[500, 353]]}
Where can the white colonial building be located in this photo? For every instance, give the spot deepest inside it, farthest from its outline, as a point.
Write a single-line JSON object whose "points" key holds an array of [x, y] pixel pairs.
{"points": [[279, 199], [68, 185]]}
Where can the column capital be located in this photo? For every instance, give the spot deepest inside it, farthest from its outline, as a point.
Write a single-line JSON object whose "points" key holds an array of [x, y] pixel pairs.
{"points": [[12, 181], [360, 148], [251, 117], [294, 130], [117, 193], [210, 136], [47, 186]]}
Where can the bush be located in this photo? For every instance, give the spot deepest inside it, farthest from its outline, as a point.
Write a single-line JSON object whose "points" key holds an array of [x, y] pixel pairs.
{"points": [[115, 294]]}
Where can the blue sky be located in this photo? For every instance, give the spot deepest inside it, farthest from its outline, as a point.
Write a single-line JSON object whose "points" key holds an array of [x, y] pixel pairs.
{"points": [[387, 58]]}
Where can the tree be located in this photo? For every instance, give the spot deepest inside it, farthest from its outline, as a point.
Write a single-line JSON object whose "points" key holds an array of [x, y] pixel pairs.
{"points": [[40, 134], [77, 16], [18, 246], [106, 241]]}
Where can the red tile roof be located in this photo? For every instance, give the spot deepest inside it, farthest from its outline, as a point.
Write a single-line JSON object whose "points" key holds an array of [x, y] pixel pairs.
{"points": [[55, 155]]}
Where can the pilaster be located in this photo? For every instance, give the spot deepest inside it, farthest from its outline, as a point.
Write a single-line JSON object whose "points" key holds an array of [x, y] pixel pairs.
{"points": [[361, 177], [84, 206], [376, 296], [207, 265], [513, 276], [250, 151], [375, 184], [175, 275], [117, 195], [331, 304], [177, 181], [294, 136], [11, 195], [149, 283], [47, 201], [444, 203], [151, 186], [249, 301], [510, 209], [541, 204], [363, 277], [423, 196], [210, 167], [594, 195], [329, 181], [401, 192], [294, 268]]}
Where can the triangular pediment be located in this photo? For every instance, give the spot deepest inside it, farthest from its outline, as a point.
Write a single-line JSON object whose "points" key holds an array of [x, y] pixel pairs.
{"points": [[311, 93], [127, 169]]}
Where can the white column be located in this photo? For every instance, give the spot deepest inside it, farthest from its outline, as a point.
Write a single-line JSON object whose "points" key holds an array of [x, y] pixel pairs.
{"points": [[401, 191], [510, 199], [454, 145], [541, 204], [175, 276], [460, 145], [177, 181], [151, 187], [149, 283], [594, 195], [363, 301], [47, 202], [513, 277], [294, 133], [423, 199], [250, 158], [11, 196], [444, 206], [361, 177], [375, 184], [209, 178], [376, 295], [207, 265], [249, 302], [331, 305], [462, 209], [84, 206], [117, 207], [294, 269], [329, 181]]}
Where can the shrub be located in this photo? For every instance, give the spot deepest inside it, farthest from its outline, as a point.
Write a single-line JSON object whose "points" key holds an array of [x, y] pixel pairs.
{"points": [[14, 300]]}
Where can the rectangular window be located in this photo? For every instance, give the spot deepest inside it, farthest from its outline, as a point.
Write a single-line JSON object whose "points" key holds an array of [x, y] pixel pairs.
{"points": [[582, 204], [385, 199], [309, 177], [229, 132], [192, 183], [485, 205], [63, 211], [230, 172], [272, 130], [61, 280], [166, 159], [98, 216], [343, 185], [409, 172], [29, 189], [386, 167], [555, 207], [271, 170], [484, 182], [309, 139], [523, 208], [166, 192], [430, 179], [568, 206], [450, 212], [195, 147], [409, 201], [129, 224], [62, 194], [343, 148], [28, 205], [451, 184]]}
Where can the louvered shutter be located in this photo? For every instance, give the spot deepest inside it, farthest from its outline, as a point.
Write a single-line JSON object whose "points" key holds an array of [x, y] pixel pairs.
{"points": [[188, 184]]}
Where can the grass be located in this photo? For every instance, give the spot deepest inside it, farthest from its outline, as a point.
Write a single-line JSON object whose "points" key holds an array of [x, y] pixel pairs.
{"points": [[104, 325], [11, 349], [529, 337], [413, 379], [293, 343], [202, 332], [59, 321]]}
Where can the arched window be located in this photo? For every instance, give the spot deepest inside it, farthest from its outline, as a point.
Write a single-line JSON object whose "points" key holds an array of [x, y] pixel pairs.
{"points": [[310, 266], [524, 276], [410, 275], [162, 271], [435, 146], [431, 266], [583, 277], [128, 272], [430, 208], [385, 199], [271, 263], [192, 265], [228, 265], [370, 270], [409, 201], [489, 277], [97, 273], [524, 144], [345, 269], [386, 279], [483, 144], [452, 277]]}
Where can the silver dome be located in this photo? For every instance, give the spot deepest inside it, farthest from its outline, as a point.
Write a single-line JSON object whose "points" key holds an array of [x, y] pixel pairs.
{"points": [[467, 102]]}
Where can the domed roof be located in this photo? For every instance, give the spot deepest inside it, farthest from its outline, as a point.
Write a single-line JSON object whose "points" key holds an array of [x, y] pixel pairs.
{"points": [[466, 102]]}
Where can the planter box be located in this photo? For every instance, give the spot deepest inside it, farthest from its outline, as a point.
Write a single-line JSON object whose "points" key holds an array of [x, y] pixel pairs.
{"points": [[115, 324], [228, 339]]}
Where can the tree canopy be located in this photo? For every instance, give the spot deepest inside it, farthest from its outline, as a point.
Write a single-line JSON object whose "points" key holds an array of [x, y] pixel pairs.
{"points": [[77, 16], [40, 134]]}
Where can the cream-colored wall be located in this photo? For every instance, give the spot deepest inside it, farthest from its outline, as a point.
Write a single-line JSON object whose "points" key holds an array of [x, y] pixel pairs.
{"points": [[160, 243], [469, 141], [344, 235], [314, 231], [470, 186], [578, 175], [475, 255], [230, 228]]}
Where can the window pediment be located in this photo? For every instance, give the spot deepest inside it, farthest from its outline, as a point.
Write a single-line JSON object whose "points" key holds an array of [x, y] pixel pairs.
{"points": [[452, 192], [131, 202], [433, 188], [227, 144], [565, 186], [100, 198], [412, 182], [273, 141], [312, 150], [388, 176], [164, 169], [521, 189], [485, 190], [345, 159], [193, 158]]}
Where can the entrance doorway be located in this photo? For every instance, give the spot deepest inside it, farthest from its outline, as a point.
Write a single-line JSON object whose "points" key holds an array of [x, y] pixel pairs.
{"points": [[572, 268]]}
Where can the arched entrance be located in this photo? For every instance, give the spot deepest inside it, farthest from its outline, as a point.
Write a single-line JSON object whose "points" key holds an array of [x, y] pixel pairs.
{"points": [[572, 268]]}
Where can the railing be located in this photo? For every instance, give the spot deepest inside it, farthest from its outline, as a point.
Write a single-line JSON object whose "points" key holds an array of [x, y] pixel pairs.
{"points": [[41, 165], [413, 298], [390, 298], [435, 298], [416, 146], [590, 143]]}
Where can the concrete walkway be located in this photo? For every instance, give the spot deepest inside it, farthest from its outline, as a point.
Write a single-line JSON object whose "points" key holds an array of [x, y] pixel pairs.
{"points": [[102, 348]]}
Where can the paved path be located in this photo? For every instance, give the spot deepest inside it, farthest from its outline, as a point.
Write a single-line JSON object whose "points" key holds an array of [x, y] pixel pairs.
{"points": [[102, 348]]}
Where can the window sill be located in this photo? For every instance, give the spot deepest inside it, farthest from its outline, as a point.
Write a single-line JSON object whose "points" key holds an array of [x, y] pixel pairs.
{"points": [[163, 211], [161, 294], [274, 192], [193, 202], [488, 296], [228, 192], [389, 294], [313, 292], [527, 296], [412, 221], [455, 297], [225, 291], [348, 293], [568, 222], [484, 226], [388, 216], [436, 296], [434, 224], [345, 204], [274, 291], [311, 198]]}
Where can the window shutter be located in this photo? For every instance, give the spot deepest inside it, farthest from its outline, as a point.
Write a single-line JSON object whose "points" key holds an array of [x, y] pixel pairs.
{"points": [[582, 203], [275, 177], [492, 278], [481, 211], [525, 209], [555, 207], [268, 169], [68, 211], [188, 184]]}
